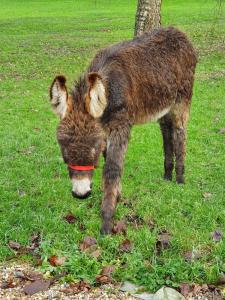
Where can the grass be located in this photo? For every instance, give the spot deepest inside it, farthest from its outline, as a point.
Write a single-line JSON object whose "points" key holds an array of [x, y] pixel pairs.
{"points": [[41, 39]]}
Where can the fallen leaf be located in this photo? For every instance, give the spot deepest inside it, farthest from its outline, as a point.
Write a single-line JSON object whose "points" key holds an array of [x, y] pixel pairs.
{"points": [[14, 245], [35, 243], [188, 256], [135, 220], [185, 289], [81, 227], [217, 236], [33, 276], [105, 30], [108, 270], [27, 151], [7, 284], [70, 218], [87, 243], [221, 280], [205, 287], [211, 287], [84, 285], [35, 238], [103, 279], [151, 224], [222, 130], [126, 246], [119, 227], [38, 262], [96, 253], [192, 255], [56, 261], [127, 203], [36, 286], [21, 193], [163, 241], [207, 195], [75, 288], [56, 175], [196, 289]]}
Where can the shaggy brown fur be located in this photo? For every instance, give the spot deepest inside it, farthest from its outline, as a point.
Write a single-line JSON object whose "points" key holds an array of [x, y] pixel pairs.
{"points": [[148, 78]]}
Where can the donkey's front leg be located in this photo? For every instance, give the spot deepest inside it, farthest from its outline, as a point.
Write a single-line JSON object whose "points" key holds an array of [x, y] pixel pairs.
{"points": [[116, 149]]}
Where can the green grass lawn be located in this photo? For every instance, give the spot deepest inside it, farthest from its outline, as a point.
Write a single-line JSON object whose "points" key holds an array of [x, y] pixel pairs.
{"points": [[39, 39]]}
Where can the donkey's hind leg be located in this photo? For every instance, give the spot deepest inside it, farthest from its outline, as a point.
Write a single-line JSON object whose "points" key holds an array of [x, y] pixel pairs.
{"points": [[179, 115], [166, 126]]}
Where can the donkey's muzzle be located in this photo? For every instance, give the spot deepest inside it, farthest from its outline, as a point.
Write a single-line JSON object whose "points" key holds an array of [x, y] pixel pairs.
{"points": [[78, 196]]}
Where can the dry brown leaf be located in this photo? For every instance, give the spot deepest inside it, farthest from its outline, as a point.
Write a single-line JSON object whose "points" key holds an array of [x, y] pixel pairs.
{"points": [[127, 203], [87, 243], [75, 288], [163, 241], [103, 279], [188, 256], [38, 262], [119, 227], [81, 227], [56, 261], [135, 220], [96, 253], [35, 243], [27, 151], [151, 224], [70, 218], [211, 287], [185, 289], [192, 255], [221, 280], [126, 246], [207, 195], [196, 289], [14, 245], [7, 284], [222, 130], [217, 236], [33, 276], [108, 270], [35, 238], [36, 286]]}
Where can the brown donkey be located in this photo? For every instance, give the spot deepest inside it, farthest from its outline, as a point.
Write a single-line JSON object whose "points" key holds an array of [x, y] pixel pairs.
{"points": [[149, 78]]}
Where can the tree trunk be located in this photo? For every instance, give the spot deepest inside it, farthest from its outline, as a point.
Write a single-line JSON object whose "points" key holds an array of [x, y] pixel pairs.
{"points": [[147, 16]]}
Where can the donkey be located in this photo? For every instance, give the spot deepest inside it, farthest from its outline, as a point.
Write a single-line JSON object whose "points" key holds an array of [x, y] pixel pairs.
{"points": [[149, 78]]}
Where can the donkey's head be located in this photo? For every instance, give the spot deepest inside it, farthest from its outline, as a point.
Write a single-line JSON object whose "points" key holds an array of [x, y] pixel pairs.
{"points": [[79, 134]]}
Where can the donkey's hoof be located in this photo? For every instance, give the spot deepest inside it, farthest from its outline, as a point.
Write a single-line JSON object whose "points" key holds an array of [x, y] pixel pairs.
{"points": [[180, 180], [168, 177], [106, 229]]}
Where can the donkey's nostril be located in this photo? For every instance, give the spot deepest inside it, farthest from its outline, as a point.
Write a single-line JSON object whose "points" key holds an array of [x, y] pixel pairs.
{"points": [[75, 195]]}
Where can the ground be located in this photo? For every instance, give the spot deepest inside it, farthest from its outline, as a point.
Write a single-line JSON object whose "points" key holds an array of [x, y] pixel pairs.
{"points": [[42, 39]]}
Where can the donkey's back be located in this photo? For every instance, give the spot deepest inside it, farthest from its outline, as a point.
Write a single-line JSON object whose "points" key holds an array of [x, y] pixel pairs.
{"points": [[150, 73]]}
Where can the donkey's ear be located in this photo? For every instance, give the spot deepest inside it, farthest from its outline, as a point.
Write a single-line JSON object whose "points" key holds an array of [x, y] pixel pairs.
{"points": [[96, 101], [59, 96]]}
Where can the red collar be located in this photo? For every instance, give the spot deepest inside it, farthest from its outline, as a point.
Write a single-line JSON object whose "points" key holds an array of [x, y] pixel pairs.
{"points": [[81, 168]]}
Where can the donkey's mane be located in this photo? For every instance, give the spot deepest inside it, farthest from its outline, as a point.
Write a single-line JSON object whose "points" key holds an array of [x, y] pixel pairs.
{"points": [[79, 89]]}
